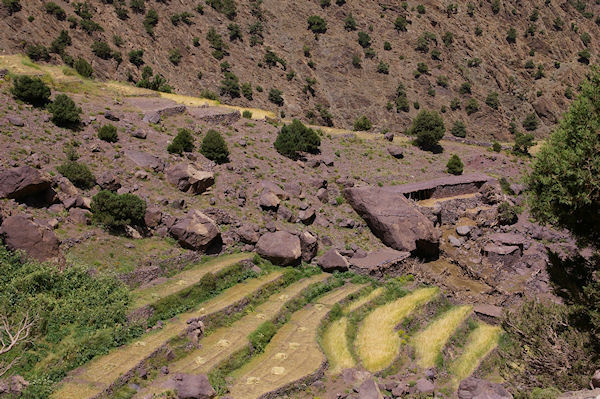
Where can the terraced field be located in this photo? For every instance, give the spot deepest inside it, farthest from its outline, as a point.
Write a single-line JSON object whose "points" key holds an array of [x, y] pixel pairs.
{"points": [[99, 374], [292, 355], [226, 341], [480, 342]]}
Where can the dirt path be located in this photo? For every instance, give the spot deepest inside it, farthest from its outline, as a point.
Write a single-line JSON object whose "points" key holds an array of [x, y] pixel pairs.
{"points": [[226, 341], [293, 353], [99, 374], [185, 279]]}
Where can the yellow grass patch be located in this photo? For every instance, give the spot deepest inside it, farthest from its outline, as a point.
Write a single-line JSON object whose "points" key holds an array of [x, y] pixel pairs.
{"points": [[479, 344], [292, 354], [352, 306], [185, 279], [335, 345], [428, 343], [103, 371], [377, 343]]}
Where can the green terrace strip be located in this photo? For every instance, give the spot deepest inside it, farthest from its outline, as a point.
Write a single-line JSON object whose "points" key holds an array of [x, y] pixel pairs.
{"points": [[480, 342], [429, 342], [377, 342], [293, 355], [334, 340], [101, 373], [185, 279], [223, 342]]}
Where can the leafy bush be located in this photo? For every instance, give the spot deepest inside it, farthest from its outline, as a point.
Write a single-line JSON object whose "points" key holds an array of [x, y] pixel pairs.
{"points": [[316, 24], [507, 214], [362, 124], [225, 7], [59, 44], [217, 43], [459, 129], [158, 83], [383, 68], [247, 114], [235, 32], [295, 138], [78, 174], [116, 211], [150, 21], [136, 57], [511, 35], [31, 90], [492, 100], [523, 142], [584, 56], [83, 68], [465, 88], [54, 9], [64, 112], [175, 56], [496, 147], [275, 96], [102, 49], [428, 127], [37, 53], [454, 165], [400, 24], [12, 6], [350, 23], [530, 123], [108, 133], [247, 91], [183, 142], [364, 39], [214, 147], [472, 106]]}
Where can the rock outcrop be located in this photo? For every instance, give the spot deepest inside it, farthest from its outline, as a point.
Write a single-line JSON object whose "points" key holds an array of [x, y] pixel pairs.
{"points": [[281, 248], [39, 242], [332, 261], [190, 386], [395, 220], [25, 184], [196, 231], [187, 178], [475, 388]]}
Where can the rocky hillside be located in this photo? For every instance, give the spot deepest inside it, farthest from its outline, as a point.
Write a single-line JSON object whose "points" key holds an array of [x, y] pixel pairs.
{"points": [[451, 57]]}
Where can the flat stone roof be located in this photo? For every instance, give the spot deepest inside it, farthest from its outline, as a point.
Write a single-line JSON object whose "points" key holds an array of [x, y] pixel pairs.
{"points": [[472, 178]]}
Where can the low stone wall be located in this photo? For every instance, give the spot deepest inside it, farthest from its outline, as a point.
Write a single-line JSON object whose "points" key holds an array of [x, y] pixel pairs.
{"points": [[443, 187]]}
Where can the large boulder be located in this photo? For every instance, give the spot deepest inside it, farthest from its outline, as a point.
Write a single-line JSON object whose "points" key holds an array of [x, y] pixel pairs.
{"points": [[331, 261], [369, 390], [309, 246], [186, 177], [39, 242], [395, 220], [475, 388], [24, 184], [281, 248], [145, 160], [196, 231], [190, 386]]}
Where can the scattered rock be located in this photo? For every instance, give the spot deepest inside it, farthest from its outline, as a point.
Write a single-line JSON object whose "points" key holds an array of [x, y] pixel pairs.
{"points": [[309, 246], [108, 181], [248, 233], [394, 220], [24, 184], [389, 136], [281, 248], [396, 152], [145, 160], [307, 216], [379, 262], [187, 178], [193, 386], [463, 231], [332, 261], [152, 117], [285, 214], [39, 242], [475, 388], [79, 216], [488, 310], [153, 217], [369, 390], [196, 231], [424, 386], [15, 121], [139, 134], [269, 200], [322, 195], [595, 382], [455, 242]]}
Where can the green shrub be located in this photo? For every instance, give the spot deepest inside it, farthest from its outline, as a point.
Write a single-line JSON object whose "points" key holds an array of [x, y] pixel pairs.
{"points": [[454, 165], [465, 88], [472, 106], [350, 23], [138, 6], [316, 24], [235, 32], [523, 142], [356, 61], [247, 114], [83, 68], [247, 91], [31, 90], [225, 7], [37, 53], [78, 174], [54, 9], [108, 133], [102, 49], [511, 35], [530, 123], [507, 214], [295, 138], [364, 39], [496, 147], [492, 100], [400, 24], [383, 68], [115, 211], [260, 337], [214, 147], [428, 127], [175, 56], [454, 104], [275, 96], [584, 56], [64, 112], [362, 124], [136, 57], [59, 44], [150, 21], [230, 85], [12, 6], [183, 142], [459, 129]]}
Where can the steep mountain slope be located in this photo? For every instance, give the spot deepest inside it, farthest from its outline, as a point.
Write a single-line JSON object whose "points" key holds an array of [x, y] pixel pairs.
{"points": [[531, 73]]}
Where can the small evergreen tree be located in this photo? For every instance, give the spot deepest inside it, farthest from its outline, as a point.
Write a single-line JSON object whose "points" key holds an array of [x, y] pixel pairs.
{"points": [[31, 90], [108, 133], [459, 129], [183, 142], [295, 138], [454, 165], [116, 211], [428, 127], [362, 124], [214, 147], [275, 96], [78, 174], [64, 112], [317, 24], [83, 68]]}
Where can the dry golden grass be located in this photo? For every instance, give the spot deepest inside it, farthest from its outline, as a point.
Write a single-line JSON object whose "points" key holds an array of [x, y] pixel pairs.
{"points": [[377, 343], [185, 279], [292, 354], [479, 344], [429, 342], [97, 375], [335, 345], [352, 306]]}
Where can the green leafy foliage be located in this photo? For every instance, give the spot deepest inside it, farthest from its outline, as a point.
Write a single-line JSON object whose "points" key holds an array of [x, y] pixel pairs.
{"points": [[108, 133], [316, 24], [31, 90], [12, 6], [183, 142], [523, 141], [459, 129], [363, 124], [83, 68], [115, 211], [230, 85], [428, 127], [214, 147], [530, 123], [78, 174], [295, 138], [54, 9], [260, 337], [455, 165], [225, 7], [275, 96], [507, 213], [64, 112]]}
